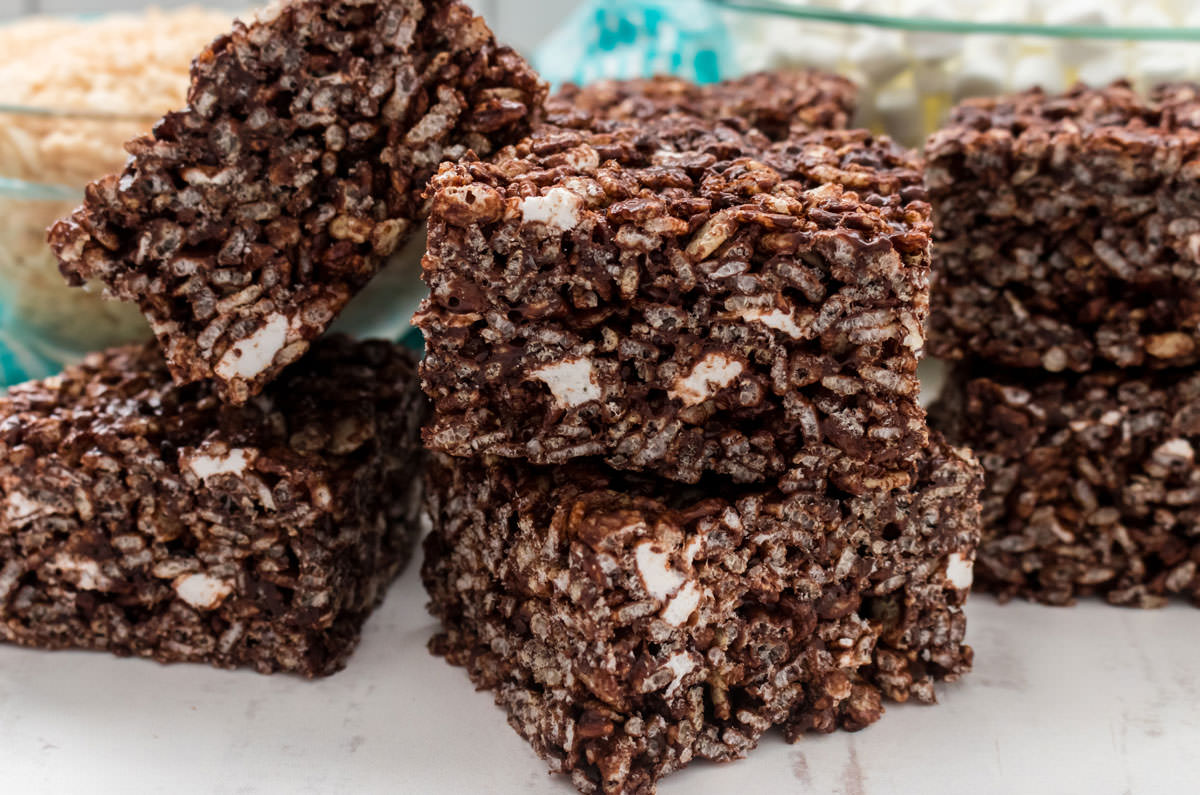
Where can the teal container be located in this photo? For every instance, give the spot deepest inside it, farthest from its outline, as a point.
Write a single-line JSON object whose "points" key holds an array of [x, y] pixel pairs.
{"points": [[624, 39]]}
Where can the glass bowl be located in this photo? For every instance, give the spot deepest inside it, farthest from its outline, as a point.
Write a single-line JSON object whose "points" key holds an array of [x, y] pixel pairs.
{"points": [[43, 322], [912, 59], [73, 90], [913, 67]]}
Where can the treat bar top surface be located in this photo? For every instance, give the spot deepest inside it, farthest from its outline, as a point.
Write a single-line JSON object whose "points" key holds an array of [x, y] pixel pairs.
{"points": [[630, 626], [147, 519], [680, 296], [1067, 233], [1169, 108], [1093, 485], [778, 104], [248, 219]]}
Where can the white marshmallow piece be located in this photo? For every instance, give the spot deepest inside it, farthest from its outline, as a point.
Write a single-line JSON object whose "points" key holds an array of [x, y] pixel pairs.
{"points": [[1168, 67], [983, 71], [1154, 63], [233, 462], [960, 571], [682, 605], [799, 43], [1038, 69], [249, 357], [928, 45], [572, 382], [665, 584], [1081, 13], [1101, 71], [932, 78], [1147, 15], [901, 112], [559, 209], [774, 319], [654, 567], [709, 376], [86, 573], [202, 591], [681, 664], [879, 54], [1005, 11]]}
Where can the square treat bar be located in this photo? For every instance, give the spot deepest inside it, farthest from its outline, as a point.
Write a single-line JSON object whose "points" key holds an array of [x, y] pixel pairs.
{"points": [[629, 625], [681, 296], [141, 518], [1092, 482], [779, 104], [248, 220], [1068, 230]]}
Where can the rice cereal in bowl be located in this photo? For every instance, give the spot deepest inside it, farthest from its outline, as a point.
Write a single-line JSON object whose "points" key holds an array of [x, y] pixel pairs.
{"points": [[73, 90]]}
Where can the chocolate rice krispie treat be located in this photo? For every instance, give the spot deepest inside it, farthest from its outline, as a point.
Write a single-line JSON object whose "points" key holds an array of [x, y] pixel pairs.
{"points": [[779, 104], [1068, 230], [1092, 482], [629, 625], [142, 518], [681, 296], [244, 224]]}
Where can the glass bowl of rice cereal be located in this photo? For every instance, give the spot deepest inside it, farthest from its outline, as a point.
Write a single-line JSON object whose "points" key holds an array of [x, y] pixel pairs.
{"points": [[73, 90]]}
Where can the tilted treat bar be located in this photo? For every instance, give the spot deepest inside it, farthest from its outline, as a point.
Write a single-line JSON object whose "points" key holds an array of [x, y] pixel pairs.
{"points": [[629, 626], [681, 296], [1068, 230], [779, 104], [1092, 482], [245, 223], [141, 518]]}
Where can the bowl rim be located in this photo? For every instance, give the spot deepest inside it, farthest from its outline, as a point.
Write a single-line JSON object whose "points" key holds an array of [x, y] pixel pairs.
{"points": [[12, 188], [958, 26], [90, 114]]}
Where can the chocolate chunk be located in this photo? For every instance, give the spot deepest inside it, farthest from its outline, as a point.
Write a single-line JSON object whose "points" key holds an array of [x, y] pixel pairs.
{"points": [[779, 104], [630, 625], [681, 296], [142, 518], [1067, 230], [1092, 482], [245, 223]]}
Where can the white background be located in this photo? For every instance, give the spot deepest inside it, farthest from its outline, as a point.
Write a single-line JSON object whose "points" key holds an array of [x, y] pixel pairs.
{"points": [[521, 23]]}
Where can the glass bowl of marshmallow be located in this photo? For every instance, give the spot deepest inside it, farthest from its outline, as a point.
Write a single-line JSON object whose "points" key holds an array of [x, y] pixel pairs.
{"points": [[914, 59]]}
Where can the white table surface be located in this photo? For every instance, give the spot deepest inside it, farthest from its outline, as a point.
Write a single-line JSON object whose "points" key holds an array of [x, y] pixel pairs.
{"points": [[1092, 700]]}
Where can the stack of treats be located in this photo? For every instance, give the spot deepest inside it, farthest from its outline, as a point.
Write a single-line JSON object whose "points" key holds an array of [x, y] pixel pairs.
{"points": [[1067, 293], [194, 500], [682, 488]]}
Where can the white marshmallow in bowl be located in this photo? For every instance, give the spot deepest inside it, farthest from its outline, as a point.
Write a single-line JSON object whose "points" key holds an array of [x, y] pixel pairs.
{"points": [[907, 78], [813, 44], [1080, 13], [928, 45], [1169, 62], [983, 71], [880, 54], [1106, 68], [1038, 69], [901, 112]]}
